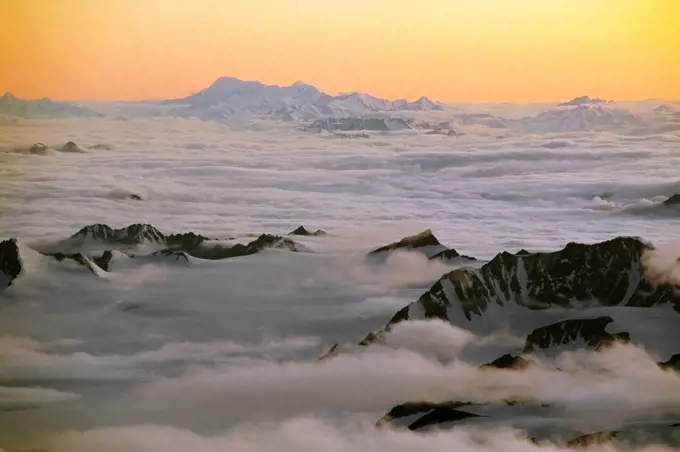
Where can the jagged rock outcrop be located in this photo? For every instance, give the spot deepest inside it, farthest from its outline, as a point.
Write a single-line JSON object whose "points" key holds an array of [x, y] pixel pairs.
{"points": [[190, 243], [187, 241], [438, 413], [424, 241], [672, 363], [133, 197], [262, 242], [301, 230], [333, 351], [609, 273], [672, 201], [134, 234], [592, 331], [450, 254], [507, 361], [432, 414], [176, 255], [93, 263], [10, 262]]}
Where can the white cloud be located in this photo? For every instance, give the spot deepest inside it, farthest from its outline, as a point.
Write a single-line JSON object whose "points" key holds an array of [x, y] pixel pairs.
{"points": [[479, 194], [308, 434]]}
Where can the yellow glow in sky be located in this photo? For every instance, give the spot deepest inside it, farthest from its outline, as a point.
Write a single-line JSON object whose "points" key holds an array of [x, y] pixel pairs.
{"points": [[449, 50]]}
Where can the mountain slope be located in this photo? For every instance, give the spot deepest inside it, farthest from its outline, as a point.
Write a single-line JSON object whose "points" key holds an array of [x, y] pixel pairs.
{"points": [[608, 273]]}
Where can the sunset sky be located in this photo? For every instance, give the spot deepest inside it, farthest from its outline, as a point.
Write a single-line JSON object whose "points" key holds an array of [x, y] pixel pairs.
{"points": [[449, 50]]}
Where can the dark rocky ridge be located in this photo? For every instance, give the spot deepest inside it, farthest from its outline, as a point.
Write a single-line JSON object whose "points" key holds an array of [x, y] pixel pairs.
{"points": [[134, 234], [610, 273], [262, 242], [592, 331], [421, 240], [508, 361], [92, 263], [182, 245], [10, 262], [672, 363], [672, 201], [301, 230], [450, 254], [424, 241], [437, 413], [178, 255], [188, 242]]}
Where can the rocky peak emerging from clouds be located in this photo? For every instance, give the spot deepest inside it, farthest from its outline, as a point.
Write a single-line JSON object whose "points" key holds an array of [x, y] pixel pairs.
{"points": [[10, 262], [591, 331], [424, 241], [608, 273], [302, 231], [134, 234]]}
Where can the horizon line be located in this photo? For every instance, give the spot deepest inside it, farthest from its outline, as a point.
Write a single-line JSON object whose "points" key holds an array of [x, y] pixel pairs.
{"points": [[297, 82]]}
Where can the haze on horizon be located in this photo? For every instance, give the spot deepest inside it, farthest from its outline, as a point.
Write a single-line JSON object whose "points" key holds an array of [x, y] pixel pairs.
{"points": [[452, 51]]}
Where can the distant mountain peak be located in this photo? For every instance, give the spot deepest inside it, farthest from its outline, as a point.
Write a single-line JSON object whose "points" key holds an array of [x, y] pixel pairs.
{"points": [[43, 107], [585, 101]]}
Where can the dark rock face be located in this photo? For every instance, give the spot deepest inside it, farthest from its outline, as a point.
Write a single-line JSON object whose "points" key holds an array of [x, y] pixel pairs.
{"points": [[262, 242], [304, 232], [592, 331], [672, 363], [333, 351], [672, 201], [190, 243], [425, 238], [432, 413], [103, 260], [437, 413], [178, 255], [509, 362], [451, 254], [592, 439], [610, 273], [134, 234], [133, 197], [185, 242], [10, 262], [93, 264], [522, 252], [440, 415]]}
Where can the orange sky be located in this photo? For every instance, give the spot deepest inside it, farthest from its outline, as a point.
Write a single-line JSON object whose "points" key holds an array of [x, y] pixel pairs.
{"points": [[449, 50]]}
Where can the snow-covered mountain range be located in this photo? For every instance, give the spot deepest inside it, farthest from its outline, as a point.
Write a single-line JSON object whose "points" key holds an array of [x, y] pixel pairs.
{"points": [[228, 96], [231, 100]]}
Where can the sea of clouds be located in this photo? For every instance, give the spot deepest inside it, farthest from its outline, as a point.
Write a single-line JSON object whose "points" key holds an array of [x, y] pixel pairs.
{"points": [[209, 356]]}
